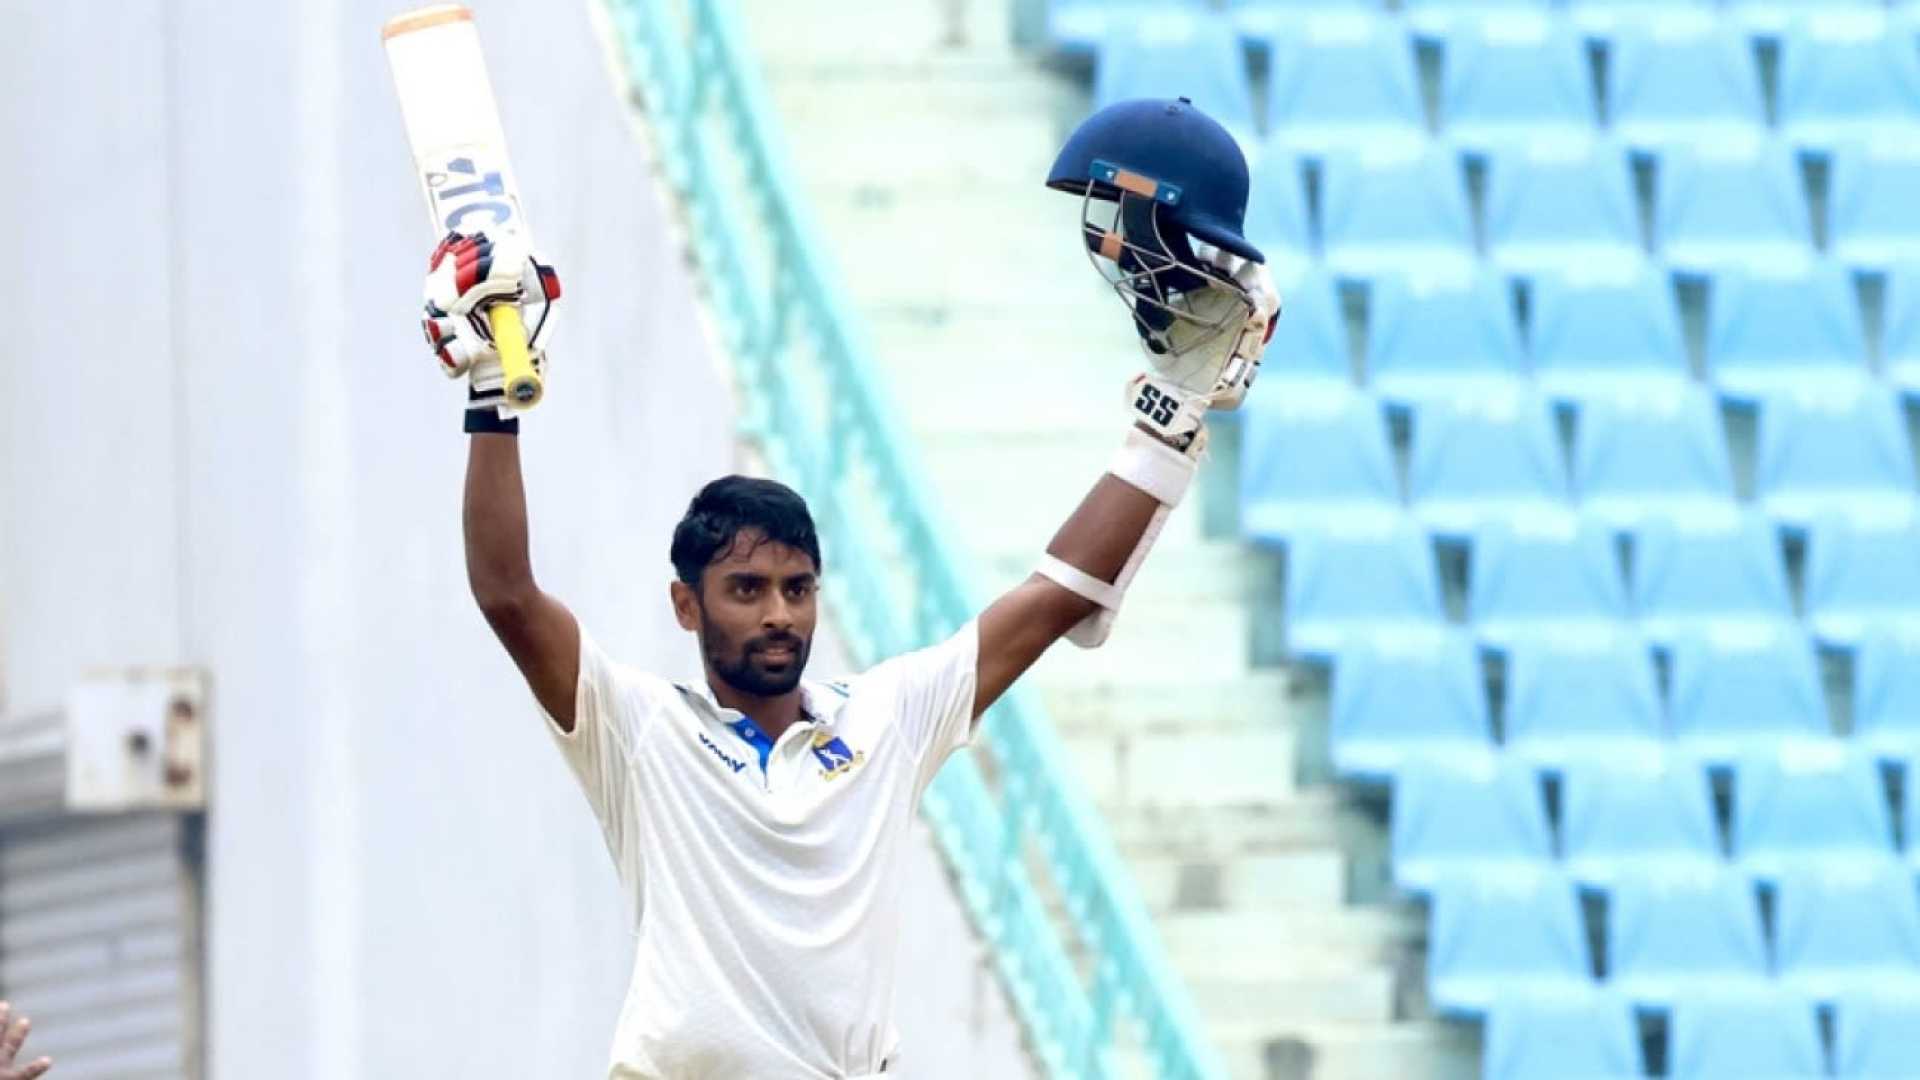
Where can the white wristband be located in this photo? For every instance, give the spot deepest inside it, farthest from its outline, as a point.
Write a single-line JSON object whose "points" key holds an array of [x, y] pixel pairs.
{"points": [[1075, 580], [1154, 467]]}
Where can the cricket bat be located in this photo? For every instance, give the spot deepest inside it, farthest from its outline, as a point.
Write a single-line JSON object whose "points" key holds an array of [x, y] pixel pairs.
{"points": [[460, 152]]}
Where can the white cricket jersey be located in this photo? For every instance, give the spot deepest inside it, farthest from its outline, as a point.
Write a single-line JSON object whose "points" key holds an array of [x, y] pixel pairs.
{"points": [[767, 898]]}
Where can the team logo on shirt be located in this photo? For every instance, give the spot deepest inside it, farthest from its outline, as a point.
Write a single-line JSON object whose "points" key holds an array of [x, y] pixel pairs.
{"points": [[834, 757]]}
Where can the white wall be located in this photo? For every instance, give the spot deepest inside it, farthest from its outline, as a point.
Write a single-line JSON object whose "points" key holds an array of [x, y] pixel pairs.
{"points": [[223, 444]]}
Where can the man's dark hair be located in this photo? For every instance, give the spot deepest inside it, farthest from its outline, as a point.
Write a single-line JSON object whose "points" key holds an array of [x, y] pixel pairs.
{"points": [[732, 503]]}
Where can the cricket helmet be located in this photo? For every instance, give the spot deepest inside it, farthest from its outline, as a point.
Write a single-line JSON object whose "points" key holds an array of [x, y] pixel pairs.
{"points": [[1156, 177]]}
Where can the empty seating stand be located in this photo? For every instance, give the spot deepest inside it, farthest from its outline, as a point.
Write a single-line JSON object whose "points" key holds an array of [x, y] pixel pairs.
{"points": [[1343, 81]]}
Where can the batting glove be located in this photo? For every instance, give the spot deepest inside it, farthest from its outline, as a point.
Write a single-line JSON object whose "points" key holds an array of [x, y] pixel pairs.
{"points": [[1173, 404], [466, 274]]}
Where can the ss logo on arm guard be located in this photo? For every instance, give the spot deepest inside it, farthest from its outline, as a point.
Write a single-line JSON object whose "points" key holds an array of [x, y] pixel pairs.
{"points": [[1157, 406]]}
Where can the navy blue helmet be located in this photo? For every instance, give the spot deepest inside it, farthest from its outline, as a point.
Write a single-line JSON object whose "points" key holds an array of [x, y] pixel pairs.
{"points": [[1155, 177]]}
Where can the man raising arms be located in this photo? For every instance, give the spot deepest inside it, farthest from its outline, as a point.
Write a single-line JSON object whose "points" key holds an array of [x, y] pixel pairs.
{"points": [[757, 818]]}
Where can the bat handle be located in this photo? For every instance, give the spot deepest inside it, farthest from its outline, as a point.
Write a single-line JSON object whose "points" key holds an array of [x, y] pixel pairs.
{"points": [[510, 337]]}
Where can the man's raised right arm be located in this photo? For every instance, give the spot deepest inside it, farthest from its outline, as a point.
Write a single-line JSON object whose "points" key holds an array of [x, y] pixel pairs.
{"points": [[538, 631]]}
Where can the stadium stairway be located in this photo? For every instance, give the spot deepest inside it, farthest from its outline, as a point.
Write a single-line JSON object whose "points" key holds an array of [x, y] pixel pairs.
{"points": [[922, 138]]}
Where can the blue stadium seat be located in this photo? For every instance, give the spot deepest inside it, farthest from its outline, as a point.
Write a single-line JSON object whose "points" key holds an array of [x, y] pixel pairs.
{"points": [[1741, 691], [1900, 327], [1689, 580], [1560, 207], [1618, 821], [1453, 821], [1873, 221], [1681, 78], [1277, 219], [1504, 936], [1886, 700], [1539, 579], [1767, 334], [1516, 80], [1575, 701], [1672, 936], [1843, 455], [1486, 459], [1732, 208], [1855, 927], [1588, 1036], [1341, 587], [1433, 341], [1658, 457], [1815, 804], [1606, 336], [1258, 20], [1313, 464], [1860, 579], [1876, 1035], [1436, 16], [1178, 52], [1399, 701], [1344, 81], [1762, 1035], [1846, 76], [1079, 26], [1313, 338], [1396, 213]]}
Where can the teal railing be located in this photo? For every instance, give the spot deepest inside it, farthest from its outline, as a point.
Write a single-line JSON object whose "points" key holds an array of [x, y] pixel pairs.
{"points": [[1030, 854]]}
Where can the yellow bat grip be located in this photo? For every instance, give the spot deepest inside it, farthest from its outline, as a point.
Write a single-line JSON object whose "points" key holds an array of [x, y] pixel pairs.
{"points": [[510, 337]]}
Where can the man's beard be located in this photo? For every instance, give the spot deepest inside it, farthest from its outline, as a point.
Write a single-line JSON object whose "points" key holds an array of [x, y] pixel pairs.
{"points": [[746, 676]]}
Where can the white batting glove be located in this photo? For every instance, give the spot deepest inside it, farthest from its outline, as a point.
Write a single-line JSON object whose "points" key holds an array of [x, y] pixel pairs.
{"points": [[466, 274], [1172, 402]]}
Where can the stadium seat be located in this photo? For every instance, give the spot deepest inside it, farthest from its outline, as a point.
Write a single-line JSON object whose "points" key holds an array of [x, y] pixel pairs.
{"points": [[1886, 701], [1515, 79], [1341, 587], [1900, 327], [1657, 457], [1480, 460], [1313, 337], [1846, 456], [1606, 335], [1740, 690], [1431, 341], [1586, 1034], [1504, 936], [1466, 821], [1873, 221], [1847, 76], [1396, 214], [1079, 26], [1602, 18], [1414, 699], [1674, 936], [1861, 578], [1178, 52], [1277, 219], [1762, 1035], [1810, 804], [1537, 579], [1436, 16], [1876, 1035], [1344, 81], [1732, 208], [1687, 580], [1577, 701], [1849, 928], [1561, 207], [1258, 20], [1767, 334], [1314, 464], [1619, 820], [1681, 78]]}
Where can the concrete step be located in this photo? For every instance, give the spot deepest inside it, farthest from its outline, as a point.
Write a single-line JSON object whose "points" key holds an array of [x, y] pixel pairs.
{"points": [[1248, 767], [1273, 881], [1256, 944], [868, 37], [1256, 699], [1283, 1001], [1315, 818], [1337, 1051], [1191, 643]]}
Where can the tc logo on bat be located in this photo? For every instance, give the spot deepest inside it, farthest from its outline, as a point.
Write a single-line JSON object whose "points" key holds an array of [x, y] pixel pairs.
{"points": [[463, 188]]}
